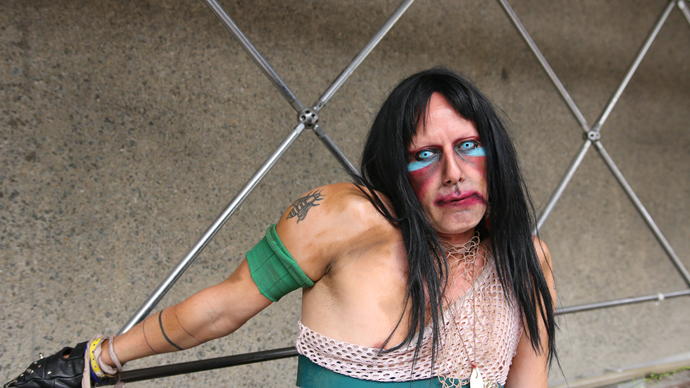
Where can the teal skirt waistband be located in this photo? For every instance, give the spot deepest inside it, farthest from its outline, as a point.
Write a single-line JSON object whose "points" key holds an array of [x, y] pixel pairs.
{"points": [[311, 375]]}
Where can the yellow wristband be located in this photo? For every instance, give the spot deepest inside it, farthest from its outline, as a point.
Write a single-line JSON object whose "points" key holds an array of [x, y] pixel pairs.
{"points": [[92, 356]]}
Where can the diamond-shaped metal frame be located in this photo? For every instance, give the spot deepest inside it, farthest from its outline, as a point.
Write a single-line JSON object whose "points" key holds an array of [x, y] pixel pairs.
{"points": [[308, 119], [592, 137]]}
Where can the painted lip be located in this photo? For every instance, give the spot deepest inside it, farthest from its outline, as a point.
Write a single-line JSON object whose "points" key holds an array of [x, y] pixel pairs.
{"points": [[466, 198]]}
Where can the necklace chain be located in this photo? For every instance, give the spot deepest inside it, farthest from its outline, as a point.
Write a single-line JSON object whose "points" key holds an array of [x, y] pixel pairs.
{"points": [[464, 258]]}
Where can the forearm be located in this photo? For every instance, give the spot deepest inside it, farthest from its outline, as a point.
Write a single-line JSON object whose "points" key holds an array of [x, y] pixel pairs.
{"points": [[146, 338], [211, 313], [175, 328]]}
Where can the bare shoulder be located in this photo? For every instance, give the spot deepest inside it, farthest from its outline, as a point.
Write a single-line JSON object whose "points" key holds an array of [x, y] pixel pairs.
{"points": [[546, 264], [322, 223], [324, 205], [543, 253]]}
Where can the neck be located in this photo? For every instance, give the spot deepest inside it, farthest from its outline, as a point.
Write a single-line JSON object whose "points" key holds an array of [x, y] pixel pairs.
{"points": [[456, 239]]}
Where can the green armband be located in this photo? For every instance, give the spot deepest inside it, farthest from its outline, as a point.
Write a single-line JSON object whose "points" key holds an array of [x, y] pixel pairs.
{"points": [[273, 269]]}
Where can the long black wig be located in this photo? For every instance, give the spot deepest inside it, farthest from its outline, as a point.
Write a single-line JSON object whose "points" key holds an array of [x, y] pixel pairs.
{"points": [[508, 223]]}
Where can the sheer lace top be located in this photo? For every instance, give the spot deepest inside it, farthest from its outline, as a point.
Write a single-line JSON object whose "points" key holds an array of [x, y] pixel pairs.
{"points": [[481, 326]]}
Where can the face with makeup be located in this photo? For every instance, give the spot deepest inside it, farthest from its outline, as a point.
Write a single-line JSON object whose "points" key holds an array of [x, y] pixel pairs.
{"points": [[447, 169]]}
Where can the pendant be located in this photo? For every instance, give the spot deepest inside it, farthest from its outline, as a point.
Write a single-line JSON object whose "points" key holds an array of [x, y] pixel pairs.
{"points": [[476, 379]]}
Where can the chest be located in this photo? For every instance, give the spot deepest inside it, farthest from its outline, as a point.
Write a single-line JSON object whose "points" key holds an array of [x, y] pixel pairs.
{"points": [[361, 298]]}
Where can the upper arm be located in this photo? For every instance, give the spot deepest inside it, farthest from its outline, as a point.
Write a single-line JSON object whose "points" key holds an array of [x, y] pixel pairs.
{"points": [[315, 229], [530, 367], [322, 224], [221, 309]]}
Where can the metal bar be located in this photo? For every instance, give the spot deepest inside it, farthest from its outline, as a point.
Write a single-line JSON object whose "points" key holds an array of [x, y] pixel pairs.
{"points": [[256, 55], [339, 155], [275, 354], [620, 302], [182, 266], [631, 376], [633, 68], [684, 9], [204, 365], [564, 183], [357, 60], [545, 65], [643, 211]]}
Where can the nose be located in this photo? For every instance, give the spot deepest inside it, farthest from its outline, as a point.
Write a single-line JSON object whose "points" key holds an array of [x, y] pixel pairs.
{"points": [[452, 170]]}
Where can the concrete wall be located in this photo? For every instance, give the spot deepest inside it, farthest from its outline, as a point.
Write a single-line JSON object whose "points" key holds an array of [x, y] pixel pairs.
{"points": [[127, 126]]}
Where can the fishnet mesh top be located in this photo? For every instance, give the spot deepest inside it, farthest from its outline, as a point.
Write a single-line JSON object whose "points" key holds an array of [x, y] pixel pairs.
{"points": [[497, 328]]}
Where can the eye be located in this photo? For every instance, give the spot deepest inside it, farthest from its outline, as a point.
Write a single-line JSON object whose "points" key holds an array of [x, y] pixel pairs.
{"points": [[422, 159], [424, 155], [470, 148], [468, 145]]}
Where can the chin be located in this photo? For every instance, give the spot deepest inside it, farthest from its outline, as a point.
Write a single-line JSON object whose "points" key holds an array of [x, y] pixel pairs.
{"points": [[459, 223], [457, 228]]}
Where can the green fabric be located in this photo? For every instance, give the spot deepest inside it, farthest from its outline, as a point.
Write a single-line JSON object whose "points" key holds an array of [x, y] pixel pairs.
{"points": [[273, 269], [311, 375]]}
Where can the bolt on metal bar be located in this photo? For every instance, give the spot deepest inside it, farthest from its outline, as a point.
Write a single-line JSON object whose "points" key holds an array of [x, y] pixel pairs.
{"points": [[339, 155], [684, 9], [165, 286], [281, 85], [643, 211], [545, 65], [633, 68], [256, 55], [357, 60], [620, 302], [563, 184]]}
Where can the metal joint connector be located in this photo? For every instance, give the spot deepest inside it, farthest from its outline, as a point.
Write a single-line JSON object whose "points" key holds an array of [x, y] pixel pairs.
{"points": [[593, 135], [308, 117]]}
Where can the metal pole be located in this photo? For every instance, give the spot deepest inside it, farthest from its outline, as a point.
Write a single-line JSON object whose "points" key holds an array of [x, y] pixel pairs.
{"points": [[357, 60], [636, 63], [258, 58], [163, 288], [620, 302], [564, 183], [643, 211], [278, 81], [339, 155], [684, 9], [275, 354], [545, 65], [204, 365]]}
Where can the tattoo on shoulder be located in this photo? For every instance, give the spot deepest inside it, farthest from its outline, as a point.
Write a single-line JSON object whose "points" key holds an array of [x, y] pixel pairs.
{"points": [[301, 206]]}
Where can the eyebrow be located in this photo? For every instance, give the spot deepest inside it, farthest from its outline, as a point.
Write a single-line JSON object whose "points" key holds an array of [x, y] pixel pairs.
{"points": [[461, 139]]}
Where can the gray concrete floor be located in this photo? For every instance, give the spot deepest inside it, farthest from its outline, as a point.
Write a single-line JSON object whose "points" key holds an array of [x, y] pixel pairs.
{"points": [[672, 380], [126, 127]]}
